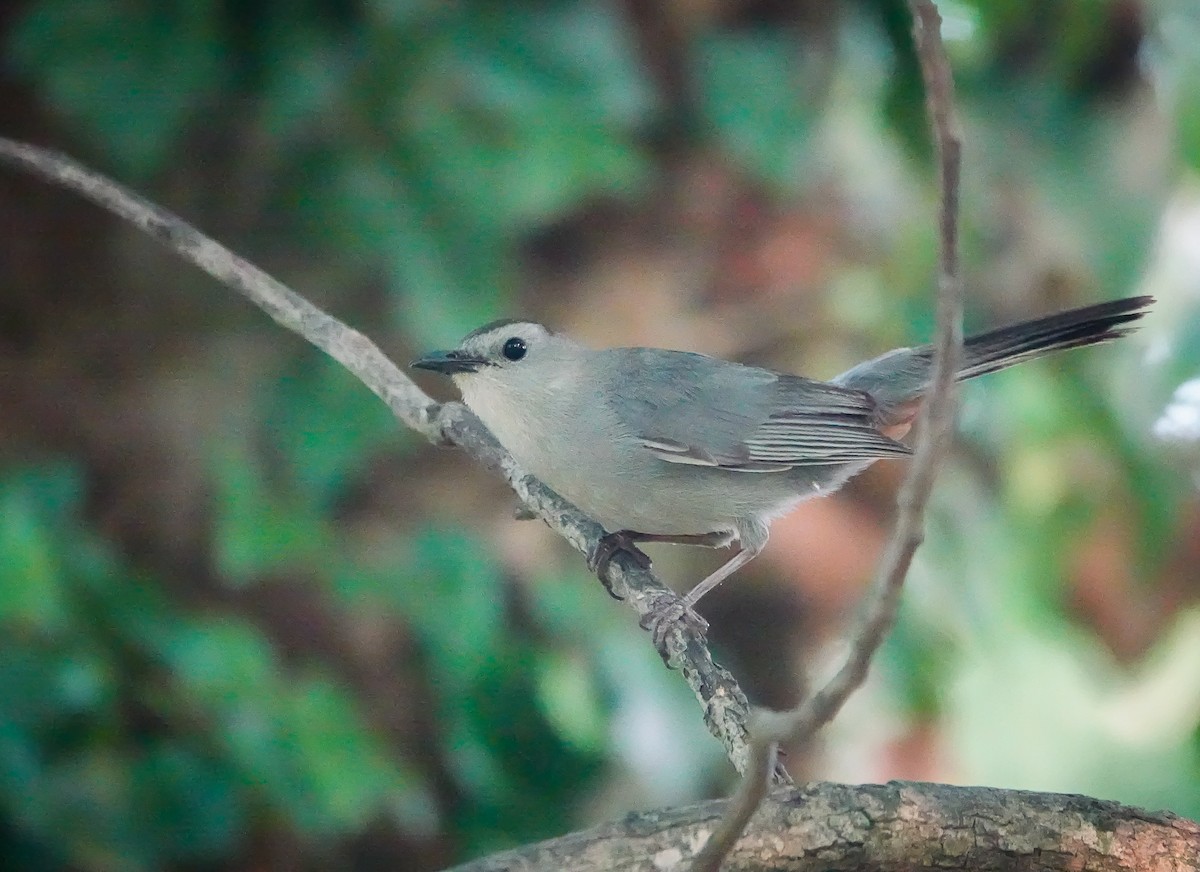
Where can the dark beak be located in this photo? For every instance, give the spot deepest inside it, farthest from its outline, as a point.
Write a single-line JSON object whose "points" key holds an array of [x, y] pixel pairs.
{"points": [[449, 362]]}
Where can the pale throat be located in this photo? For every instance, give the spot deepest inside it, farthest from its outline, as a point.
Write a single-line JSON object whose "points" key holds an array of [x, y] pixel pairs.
{"points": [[511, 421]]}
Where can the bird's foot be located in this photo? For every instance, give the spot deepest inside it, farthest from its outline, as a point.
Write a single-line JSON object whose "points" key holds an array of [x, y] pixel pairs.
{"points": [[781, 776], [669, 612], [606, 550], [611, 543]]}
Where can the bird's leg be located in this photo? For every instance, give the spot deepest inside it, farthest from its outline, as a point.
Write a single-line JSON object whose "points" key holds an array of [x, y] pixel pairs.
{"points": [[736, 562], [753, 538], [669, 609], [666, 612]]}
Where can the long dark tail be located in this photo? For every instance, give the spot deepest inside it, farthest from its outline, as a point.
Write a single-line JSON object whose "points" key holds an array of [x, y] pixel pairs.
{"points": [[901, 376], [1076, 328]]}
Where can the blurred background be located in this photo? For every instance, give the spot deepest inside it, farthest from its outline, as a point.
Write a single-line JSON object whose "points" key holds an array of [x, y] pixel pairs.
{"points": [[247, 622]]}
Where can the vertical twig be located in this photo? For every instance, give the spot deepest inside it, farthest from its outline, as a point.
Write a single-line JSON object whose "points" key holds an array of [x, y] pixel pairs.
{"points": [[878, 610], [750, 793]]}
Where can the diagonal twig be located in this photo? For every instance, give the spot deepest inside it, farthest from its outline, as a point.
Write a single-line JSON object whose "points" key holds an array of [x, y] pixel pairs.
{"points": [[878, 611], [726, 711]]}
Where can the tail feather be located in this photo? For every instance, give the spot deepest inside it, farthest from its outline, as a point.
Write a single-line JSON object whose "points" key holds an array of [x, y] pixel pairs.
{"points": [[1007, 346], [900, 377]]}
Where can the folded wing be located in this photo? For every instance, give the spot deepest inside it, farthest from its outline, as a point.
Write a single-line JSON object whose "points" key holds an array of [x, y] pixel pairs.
{"points": [[701, 411]]}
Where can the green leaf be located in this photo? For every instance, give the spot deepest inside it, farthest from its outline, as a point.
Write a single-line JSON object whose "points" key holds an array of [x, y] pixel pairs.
{"points": [[32, 592], [452, 593], [186, 804], [307, 68], [132, 74], [299, 740], [571, 700], [326, 426], [503, 711], [753, 102], [350, 778], [260, 525]]}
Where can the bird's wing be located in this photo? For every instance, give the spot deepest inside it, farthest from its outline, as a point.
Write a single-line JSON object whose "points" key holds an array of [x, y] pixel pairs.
{"points": [[703, 411]]}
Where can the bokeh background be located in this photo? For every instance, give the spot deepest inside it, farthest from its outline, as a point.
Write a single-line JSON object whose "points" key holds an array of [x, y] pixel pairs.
{"points": [[246, 622]]}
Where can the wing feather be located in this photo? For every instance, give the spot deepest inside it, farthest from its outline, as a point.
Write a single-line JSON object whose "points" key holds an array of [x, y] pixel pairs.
{"points": [[705, 412]]}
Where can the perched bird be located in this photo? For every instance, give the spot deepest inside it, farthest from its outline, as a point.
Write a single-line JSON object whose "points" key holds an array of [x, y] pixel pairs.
{"points": [[671, 446]]}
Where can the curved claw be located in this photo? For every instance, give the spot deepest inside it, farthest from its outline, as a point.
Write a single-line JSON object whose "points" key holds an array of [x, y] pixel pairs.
{"points": [[610, 544], [666, 613], [606, 550]]}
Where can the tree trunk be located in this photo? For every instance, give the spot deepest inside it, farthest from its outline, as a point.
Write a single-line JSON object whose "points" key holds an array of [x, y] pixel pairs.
{"points": [[883, 828]]}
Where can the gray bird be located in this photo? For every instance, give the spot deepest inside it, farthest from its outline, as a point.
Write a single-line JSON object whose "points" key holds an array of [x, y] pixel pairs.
{"points": [[671, 446]]}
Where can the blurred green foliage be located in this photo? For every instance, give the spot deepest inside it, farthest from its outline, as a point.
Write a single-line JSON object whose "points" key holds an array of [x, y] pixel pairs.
{"points": [[537, 105], [136, 735], [145, 724]]}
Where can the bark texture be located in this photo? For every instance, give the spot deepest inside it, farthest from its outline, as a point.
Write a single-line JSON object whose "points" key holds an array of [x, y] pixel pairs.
{"points": [[883, 828]]}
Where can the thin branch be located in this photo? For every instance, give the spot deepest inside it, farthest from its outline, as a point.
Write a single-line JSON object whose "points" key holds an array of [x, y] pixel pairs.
{"points": [[878, 611], [726, 711], [938, 412], [751, 792]]}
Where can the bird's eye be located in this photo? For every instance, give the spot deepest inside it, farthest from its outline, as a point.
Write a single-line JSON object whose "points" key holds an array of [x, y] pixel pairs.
{"points": [[515, 348]]}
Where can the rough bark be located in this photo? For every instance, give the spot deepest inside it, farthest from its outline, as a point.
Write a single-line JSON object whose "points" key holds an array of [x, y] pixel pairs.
{"points": [[883, 828]]}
